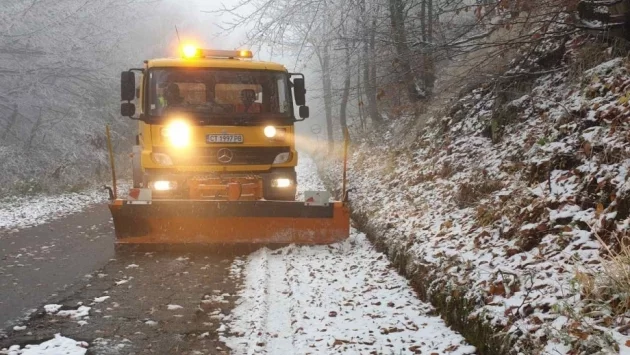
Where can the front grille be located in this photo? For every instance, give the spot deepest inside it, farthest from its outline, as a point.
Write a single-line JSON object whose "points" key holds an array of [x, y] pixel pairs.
{"points": [[209, 156]]}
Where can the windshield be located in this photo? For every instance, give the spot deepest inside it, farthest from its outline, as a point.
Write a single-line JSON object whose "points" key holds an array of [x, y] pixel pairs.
{"points": [[208, 92]]}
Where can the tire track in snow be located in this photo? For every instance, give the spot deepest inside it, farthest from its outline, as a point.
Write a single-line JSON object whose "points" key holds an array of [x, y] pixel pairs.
{"points": [[280, 340], [342, 298], [266, 326]]}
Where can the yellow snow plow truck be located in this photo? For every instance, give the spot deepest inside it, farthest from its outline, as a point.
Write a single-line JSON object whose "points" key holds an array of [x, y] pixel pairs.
{"points": [[214, 160]]}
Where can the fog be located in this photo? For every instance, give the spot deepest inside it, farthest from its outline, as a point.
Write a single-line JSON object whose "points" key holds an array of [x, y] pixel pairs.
{"points": [[367, 64]]}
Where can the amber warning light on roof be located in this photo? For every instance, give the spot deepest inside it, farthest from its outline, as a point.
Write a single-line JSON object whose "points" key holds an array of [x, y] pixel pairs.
{"points": [[190, 51]]}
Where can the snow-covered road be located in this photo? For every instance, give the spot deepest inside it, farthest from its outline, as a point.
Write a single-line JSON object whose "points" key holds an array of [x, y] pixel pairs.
{"points": [[342, 298]]}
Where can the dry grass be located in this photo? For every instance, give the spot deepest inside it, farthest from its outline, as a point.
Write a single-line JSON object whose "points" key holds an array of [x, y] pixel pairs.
{"points": [[613, 283], [471, 192], [585, 57], [606, 291]]}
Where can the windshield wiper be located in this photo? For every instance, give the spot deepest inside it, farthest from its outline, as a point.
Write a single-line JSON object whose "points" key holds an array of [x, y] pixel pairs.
{"points": [[243, 120]]}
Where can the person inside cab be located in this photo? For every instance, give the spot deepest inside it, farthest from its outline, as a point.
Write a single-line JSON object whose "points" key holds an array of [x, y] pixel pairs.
{"points": [[248, 102], [172, 95]]}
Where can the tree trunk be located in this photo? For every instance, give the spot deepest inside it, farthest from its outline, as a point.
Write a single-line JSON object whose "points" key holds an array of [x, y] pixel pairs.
{"points": [[34, 130], [327, 85], [11, 122], [360, 104], [405, 73], [423, 21], [343, 107], [369, 68], [430, 21], [428, 67], [369, 82]]}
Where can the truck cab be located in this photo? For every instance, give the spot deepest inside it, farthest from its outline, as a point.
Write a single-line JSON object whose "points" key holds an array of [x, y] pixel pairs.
{"points": [[214, 125]]}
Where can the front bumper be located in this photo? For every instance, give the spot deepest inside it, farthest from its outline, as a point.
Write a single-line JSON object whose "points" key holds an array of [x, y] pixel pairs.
{"points": [[214, 186]]}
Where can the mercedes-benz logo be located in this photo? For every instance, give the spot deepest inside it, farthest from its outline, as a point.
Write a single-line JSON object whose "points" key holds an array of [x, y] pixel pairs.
{"points": [[225, 155]]}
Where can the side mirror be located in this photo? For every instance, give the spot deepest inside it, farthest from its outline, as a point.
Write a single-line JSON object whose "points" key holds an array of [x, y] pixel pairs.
{"points": [[299, 91], [304, 112], [127, 86], [127, 109]]}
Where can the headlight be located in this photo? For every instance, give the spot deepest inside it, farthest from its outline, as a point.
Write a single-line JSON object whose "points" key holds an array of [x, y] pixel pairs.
{"points": [[177, 133], [281, 183], [162, 185], [162, 159], [270, 131], [282, 158]]}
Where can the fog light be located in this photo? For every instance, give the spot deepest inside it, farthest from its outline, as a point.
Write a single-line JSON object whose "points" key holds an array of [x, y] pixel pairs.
{"points": [[162, 185], [281, 183], [270, 131], [282, 158], [162, 159]]}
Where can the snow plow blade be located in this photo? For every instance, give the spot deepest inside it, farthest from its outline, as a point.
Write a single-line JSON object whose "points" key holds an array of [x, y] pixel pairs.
{"points": [[171, 222]]}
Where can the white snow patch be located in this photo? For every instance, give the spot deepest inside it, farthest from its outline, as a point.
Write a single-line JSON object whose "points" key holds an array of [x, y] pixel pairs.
{"points": [[59, 345], [122, 282], [82, 311], [52, 308], [101, 299], [173, 307], [29, 211]]}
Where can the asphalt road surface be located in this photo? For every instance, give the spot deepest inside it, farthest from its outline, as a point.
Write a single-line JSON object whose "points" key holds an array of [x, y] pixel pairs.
{"points": [[38, 262], [140, 302]]}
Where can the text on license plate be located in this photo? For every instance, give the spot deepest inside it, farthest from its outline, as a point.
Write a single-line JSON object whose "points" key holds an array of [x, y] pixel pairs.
{"points": [[224, 138]]}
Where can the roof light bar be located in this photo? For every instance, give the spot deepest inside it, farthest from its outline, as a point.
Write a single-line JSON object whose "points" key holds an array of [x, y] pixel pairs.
{"points": [[216, 53], [194, 52]]}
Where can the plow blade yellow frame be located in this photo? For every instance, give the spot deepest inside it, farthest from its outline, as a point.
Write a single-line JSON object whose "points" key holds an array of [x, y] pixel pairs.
{"points": [[228, 222]]}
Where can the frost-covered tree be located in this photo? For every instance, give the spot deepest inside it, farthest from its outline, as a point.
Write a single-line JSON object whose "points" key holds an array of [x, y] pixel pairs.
{"points": [[59, 68]]}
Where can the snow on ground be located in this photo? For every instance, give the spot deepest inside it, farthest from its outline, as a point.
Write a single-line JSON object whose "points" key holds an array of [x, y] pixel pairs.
{"points": [[29, 211], [511, 225], [59, 345], [330, 299], [343, 298]]}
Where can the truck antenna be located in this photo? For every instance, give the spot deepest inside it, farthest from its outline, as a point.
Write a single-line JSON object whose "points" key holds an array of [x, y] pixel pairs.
{"points": [[178, 39]]}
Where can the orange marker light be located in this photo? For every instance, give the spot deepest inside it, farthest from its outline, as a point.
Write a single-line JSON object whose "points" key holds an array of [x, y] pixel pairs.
{"points": [[190, 51], [245, 54]]}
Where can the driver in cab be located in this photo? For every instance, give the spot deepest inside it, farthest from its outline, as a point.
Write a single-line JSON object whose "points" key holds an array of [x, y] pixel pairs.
{"points": [[248, 102], [171, 96]]}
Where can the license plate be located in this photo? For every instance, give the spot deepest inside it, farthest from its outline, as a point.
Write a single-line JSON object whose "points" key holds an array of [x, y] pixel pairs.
{"points": [[224, 138]]}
